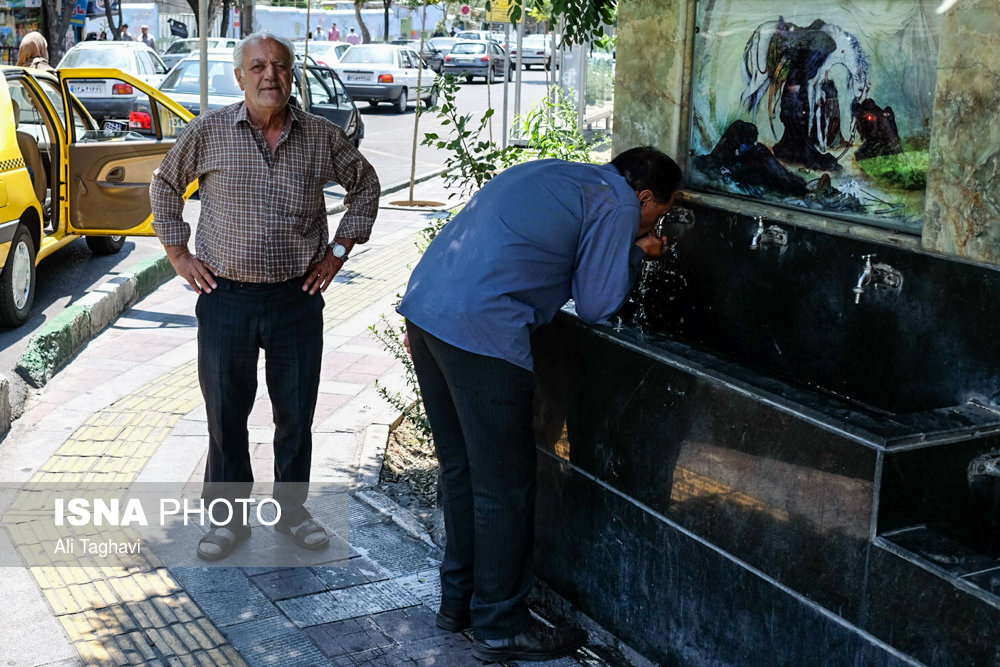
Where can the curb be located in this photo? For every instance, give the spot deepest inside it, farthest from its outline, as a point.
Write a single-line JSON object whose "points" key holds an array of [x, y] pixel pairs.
{"points": [[51, 348], [57, 343]]}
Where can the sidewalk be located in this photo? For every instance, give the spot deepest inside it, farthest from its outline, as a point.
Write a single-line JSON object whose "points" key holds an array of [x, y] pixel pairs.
{"points": [[128, 409]]}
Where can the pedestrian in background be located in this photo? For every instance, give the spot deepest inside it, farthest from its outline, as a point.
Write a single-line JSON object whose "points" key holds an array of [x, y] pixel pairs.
{"points": [[319, 35], [491, 277], [262, 260], [34, 52], [123, 34], [146, 38], [352, 37], [334, 34]]}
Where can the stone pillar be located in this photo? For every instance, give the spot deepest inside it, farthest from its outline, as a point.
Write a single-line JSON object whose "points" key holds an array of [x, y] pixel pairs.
{"points": [[962, 212], [652, 71]]}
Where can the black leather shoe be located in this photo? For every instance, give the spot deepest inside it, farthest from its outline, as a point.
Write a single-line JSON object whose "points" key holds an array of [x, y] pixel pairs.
{"points": [[453, 623], [538, 642]]}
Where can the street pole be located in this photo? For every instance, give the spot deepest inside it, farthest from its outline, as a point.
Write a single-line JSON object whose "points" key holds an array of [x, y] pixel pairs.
{"points": [[305, 52], [203, 60]]}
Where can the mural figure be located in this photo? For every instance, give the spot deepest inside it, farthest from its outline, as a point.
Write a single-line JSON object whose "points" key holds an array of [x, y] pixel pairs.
{"points": [[796, 69], [877, 127], [816, 118], [743, 159]]}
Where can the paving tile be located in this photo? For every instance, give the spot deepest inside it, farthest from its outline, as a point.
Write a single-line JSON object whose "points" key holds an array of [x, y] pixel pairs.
{"points": [[393, 550], [424, 585], [442, 644], [459, 659], [286, 651], [408, 625], [353, 635], [225, 594], [347, 603], [289, 583], [358, 570], [391, 656]]}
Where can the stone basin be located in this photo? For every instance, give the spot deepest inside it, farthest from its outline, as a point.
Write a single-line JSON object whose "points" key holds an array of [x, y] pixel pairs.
{"points": [[751, 469]]}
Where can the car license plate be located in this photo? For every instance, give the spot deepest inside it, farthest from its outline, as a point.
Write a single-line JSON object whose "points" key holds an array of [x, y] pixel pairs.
{"points": [[86, 88], [113, 126], [359, 78]]}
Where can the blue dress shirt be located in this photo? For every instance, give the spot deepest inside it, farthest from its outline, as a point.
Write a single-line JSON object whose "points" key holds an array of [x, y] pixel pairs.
{"points": [[534, 236]]}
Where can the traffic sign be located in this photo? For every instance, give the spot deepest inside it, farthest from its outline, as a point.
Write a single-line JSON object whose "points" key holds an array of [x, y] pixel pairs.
{"points": [[499, 11]]}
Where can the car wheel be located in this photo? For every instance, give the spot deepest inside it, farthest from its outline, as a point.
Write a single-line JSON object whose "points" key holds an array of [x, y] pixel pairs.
{"points": [[490, 78], [548, 64], [431, 101], [400, 103], [105, 245], [468, 78], [17, 280], [373, 103]]}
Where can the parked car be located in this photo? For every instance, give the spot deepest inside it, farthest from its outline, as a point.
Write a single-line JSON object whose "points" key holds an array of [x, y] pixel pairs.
{"points": [[325, 94], [471, 59], [475, 35], [324, 53], [386, 73], [103, 98], [442, 44], [535, 50], [432, 57], [182, 47], [67, 176]]}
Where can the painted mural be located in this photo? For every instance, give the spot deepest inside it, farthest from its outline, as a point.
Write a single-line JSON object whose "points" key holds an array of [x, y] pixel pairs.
{"points": [[824, 105]]}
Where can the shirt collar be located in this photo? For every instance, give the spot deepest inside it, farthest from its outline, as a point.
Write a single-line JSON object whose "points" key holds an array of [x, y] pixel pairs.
{"points": [[294, 115]]}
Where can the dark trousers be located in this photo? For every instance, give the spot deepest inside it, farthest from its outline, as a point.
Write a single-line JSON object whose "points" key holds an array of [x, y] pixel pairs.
{"points": [[480, 410], [235, 322]]}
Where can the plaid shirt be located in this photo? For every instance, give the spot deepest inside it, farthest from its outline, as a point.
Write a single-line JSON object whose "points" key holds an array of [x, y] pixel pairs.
{"points": [[263, 214]]}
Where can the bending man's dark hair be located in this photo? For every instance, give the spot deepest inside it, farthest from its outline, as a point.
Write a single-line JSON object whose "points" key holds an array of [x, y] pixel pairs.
{"points": [[648, 168]]}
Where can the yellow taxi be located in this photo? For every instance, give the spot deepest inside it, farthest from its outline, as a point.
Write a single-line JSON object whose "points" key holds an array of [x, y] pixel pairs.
{"points": [[62, 176]]}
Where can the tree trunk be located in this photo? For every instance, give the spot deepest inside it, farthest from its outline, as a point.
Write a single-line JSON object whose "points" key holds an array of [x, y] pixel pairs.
{"points": [[56, 25], [115, 27], [224, 24], [214, 6], [366, 36], [246, 19], [385, 34]]}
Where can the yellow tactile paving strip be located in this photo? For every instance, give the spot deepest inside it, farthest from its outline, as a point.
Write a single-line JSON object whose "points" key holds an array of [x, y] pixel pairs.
{"points": [[138, 614]]}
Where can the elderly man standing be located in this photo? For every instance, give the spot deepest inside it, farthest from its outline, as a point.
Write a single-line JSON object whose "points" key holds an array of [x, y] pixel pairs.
{"points": [[146, 38], [262, 258]]}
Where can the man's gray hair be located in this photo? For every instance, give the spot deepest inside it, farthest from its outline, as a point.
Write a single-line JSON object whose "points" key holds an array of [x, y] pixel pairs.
{"points": [[256, 37]]}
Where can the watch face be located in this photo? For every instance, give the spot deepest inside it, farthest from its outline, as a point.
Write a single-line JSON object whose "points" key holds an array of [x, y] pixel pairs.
{"points": [[339, 250]]}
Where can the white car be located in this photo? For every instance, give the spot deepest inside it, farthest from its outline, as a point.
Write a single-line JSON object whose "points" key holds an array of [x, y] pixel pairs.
{"points": [[324, 53], [107, 98], [480, 36], [381, 72], [182, 47], [535, 50], [442, 44]]}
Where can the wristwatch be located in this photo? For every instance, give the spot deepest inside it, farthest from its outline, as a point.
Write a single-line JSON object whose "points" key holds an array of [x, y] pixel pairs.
{"points": [[339, 251]]}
